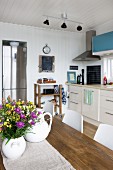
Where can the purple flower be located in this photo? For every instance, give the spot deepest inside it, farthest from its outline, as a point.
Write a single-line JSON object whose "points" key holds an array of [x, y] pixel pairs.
{"points": [[1, 107], [22, 116], [39, 112], [33, 115], [20, 124], [13, 103], [17, 110], [32, 122]]}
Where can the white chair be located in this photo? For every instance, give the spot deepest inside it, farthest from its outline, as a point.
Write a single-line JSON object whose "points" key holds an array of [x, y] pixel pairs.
{"points": [[104, 135], [73, 119], [49, 107]]}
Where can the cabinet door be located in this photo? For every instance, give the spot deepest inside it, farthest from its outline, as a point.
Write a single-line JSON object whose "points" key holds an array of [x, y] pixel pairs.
{"points": [[76, 106], [106, 115], [91, 109]]}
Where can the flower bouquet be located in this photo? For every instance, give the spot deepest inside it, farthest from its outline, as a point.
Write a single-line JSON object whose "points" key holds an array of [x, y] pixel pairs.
{"points": [[16, 118]]}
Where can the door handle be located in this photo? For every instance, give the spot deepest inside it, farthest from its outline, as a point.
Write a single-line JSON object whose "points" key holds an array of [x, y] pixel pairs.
{"points": [[109, 113]]}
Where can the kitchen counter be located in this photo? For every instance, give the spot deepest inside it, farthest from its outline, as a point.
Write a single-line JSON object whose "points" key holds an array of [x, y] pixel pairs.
{"points": [[96, 86]]}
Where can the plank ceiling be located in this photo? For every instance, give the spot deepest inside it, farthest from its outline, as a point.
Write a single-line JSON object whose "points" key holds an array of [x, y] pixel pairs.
{"points": [[31, 12]]}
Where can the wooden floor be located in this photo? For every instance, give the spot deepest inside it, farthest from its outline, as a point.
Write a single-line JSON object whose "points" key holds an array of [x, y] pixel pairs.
{"points": [[89, 129]]}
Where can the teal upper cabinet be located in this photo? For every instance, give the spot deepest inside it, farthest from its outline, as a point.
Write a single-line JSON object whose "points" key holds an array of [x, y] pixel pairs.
{"points": [[103, 44]]}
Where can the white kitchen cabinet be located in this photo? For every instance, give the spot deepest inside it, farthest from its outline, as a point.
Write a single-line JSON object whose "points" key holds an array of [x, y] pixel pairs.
{"points": [[75, 98], [92, 109], [106, 107]]}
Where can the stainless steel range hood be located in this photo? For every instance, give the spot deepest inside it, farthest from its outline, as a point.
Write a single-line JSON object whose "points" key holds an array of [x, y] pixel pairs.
{"points": [[87, 55]]}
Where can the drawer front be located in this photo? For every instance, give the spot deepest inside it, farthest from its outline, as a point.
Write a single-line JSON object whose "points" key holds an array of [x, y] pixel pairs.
{"points": [[75, 106], [90, 112], [75, 96], [106, 93], [106, 116], [75, 89], [106, 102]]}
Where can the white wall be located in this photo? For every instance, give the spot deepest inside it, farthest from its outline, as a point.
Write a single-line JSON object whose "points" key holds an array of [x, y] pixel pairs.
{"points": [[64, 46]]}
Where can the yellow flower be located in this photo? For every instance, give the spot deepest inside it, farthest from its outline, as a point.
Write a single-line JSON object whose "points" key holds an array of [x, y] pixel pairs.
{"points": [[5, 123], [8, 112], [8, 105], [10, 126]]}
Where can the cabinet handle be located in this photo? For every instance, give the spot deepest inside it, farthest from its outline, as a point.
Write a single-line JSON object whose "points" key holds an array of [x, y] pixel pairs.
{"points": [[73, 102], [109, 100], [109, 113], [73, 92]]}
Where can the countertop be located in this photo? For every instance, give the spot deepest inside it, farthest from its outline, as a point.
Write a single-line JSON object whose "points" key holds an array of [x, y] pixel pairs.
{"points": [[96, 86]]}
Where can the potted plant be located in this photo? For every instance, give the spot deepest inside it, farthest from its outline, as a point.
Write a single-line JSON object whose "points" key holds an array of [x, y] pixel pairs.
{"points": [[16, 117]]}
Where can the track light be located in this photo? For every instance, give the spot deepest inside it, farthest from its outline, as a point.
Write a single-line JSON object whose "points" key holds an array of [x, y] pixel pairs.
{"points": [[46, 22], [79, 28], [64, 25], [65, 20]]}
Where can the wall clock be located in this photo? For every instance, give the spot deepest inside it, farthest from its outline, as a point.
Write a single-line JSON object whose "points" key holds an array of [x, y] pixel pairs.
{"points": [[46, 49]]}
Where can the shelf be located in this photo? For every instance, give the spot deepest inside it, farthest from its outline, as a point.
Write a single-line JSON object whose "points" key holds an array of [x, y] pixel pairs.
{"points": [[50, 94], [38, 95], [46, 84]]}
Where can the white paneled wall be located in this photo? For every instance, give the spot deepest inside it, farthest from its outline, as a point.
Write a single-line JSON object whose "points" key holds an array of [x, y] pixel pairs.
{"points": [[64, 46]]}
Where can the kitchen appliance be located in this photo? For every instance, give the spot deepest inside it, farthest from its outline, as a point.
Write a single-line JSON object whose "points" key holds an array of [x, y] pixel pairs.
{"points": [[94, 74], [87, 55], [14, 77]]}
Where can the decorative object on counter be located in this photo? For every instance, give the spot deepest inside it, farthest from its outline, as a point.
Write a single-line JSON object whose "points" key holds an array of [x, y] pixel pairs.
{"points": [[39, 81], [71, 77], [73, 67], [78, 79], [45, 80], [16, 119], [46, 49], [104, 80], [40, 130]]}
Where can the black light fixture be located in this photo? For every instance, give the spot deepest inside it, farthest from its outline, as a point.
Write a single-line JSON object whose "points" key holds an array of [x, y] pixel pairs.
{"points": [[65, 20], [64, 25], [79, 28], [46, 22]]}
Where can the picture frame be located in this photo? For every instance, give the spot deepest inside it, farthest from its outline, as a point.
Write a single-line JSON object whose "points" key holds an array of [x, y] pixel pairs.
{"points": [[71, 76], [46, 63]]}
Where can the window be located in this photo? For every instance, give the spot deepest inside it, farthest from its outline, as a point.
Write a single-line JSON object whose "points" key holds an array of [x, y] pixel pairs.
{"points": [[108, 68]]}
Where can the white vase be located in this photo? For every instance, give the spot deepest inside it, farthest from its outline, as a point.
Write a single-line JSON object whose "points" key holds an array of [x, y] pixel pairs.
{"points": [[14, 148], [40, 130]]}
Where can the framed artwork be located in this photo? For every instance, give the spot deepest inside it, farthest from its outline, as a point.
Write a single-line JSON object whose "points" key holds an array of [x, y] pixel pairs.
{"points": [[71, 77], [46, 63]]}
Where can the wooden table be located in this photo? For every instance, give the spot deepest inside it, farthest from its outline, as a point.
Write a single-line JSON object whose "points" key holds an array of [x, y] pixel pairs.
{"points": [[81, 151]]}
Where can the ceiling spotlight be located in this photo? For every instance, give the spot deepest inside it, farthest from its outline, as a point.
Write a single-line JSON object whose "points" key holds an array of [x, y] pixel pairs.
{"points": [[64, 25], [79, 28], [46, 22]]}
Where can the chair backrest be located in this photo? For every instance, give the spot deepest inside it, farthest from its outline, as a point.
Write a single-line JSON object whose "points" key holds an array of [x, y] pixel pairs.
{"points": [[73, 119], [48, 107], [104, 135]]}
